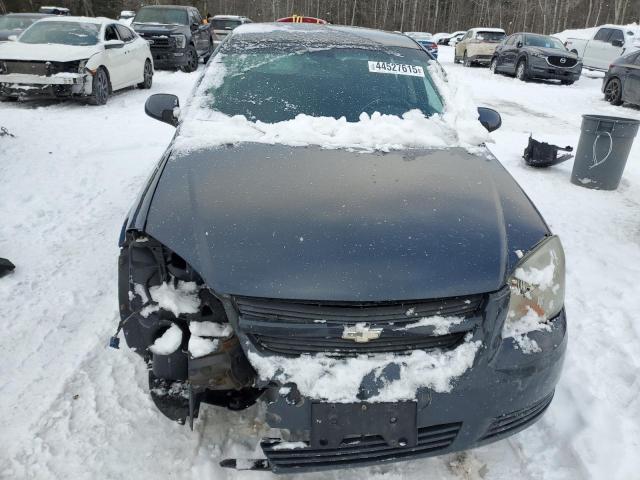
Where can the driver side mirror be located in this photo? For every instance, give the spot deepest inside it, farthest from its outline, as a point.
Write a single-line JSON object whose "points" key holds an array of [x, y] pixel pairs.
{"points": [[617, 43], [12, 38], [109, 44], [163, 107], [489, 118], [519, 45]]}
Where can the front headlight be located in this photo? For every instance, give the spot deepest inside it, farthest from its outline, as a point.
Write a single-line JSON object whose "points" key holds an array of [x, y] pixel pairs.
{"points": [[538, 54], [181, 40], [81, 65], [537, 288]]}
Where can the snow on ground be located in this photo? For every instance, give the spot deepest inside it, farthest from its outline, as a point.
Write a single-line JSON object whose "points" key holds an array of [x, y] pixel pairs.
{"points": [[72, 408]]}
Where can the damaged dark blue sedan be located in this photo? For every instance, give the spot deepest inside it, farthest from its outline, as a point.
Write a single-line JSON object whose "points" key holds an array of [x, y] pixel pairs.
{"points": [[327, 234]]}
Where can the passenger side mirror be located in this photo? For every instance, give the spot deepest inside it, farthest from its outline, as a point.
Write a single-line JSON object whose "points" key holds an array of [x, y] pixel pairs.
{"points": [[617, 43], [519, 45], [489, 118], [109, 44], [163, 107]]}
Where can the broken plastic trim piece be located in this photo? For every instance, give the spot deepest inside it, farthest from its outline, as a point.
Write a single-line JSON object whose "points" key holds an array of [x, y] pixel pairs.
{"points": [[540, 154], [261, 464]]}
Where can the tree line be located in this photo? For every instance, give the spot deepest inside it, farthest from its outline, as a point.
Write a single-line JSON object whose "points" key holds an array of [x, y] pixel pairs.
{"points": [[541, 16]]}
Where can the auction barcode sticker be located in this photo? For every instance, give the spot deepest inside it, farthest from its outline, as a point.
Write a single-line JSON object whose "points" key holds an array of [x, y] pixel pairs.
{"points": [[396, 69]]}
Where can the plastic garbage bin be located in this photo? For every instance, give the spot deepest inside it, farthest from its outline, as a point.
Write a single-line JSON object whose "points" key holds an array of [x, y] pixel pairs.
{"points": [[602, 152]]}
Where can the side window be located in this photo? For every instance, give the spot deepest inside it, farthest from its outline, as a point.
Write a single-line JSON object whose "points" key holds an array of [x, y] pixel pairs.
{"points": [[510, 40], [125, 34], [616, 35], [197, 16], [110, 33], [603, 34]]}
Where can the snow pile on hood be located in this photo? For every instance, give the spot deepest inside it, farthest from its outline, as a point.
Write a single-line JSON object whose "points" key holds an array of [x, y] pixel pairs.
{"points": [[272, 27], [339, 379], [441, 325], [458, 126], [168, 342], [179, 299]]}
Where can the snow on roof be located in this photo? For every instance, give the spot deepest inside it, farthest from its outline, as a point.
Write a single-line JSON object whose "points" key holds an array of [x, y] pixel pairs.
{"points": [[228, 17], [96, 20], [483, 29]]}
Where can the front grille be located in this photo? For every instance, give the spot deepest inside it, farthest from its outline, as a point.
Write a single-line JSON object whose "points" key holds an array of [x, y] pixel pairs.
{"points": [[160, 41], [556, 61], [295, 345], [504, 424], [39, 67], [369, 449], [373, 313]]}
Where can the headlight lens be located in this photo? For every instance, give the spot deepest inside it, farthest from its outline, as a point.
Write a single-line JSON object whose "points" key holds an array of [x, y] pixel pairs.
{"points": [[538, 54], [537, 285], [181, 40]]}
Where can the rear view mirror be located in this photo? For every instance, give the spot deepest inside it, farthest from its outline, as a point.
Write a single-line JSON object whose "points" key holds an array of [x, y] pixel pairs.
{"points": [[617, 43], [163, 107], [113, 44], [489, 118]]}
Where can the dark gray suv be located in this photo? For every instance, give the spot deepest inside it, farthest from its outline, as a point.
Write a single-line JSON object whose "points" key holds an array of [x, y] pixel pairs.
{"points": [[530, 55], [178, 36], [384, 302]]}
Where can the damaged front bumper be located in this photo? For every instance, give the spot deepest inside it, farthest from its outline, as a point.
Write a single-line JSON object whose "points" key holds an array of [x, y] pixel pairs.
{"points": [[505, 391], [57, 85]]}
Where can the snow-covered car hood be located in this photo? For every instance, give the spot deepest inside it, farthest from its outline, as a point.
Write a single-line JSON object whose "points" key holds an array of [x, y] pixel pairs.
{"points": [[49, 52], [310, 223]]}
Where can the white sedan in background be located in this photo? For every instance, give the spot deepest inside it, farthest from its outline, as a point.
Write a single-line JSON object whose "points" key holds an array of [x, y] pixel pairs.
{"points": [[74, 57]]}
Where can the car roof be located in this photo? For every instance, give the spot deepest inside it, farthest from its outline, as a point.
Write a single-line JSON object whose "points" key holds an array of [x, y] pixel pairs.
{"points": [[96, 20], [489, 29], [229, 17], [179, 7], [29, 15], [324, 34]]}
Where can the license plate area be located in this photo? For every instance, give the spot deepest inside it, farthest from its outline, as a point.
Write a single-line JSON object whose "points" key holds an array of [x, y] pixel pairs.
{"points": [[336, 423]]}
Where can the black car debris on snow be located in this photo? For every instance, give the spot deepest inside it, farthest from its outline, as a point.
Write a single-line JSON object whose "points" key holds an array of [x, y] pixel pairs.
{"points": [[304, 259]]}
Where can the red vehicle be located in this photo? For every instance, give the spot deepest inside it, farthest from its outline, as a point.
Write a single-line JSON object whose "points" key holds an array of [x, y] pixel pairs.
{"points": [[301, 19]]}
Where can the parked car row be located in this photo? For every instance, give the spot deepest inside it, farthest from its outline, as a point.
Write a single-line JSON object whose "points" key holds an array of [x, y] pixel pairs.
{"points": [[57, 55]]}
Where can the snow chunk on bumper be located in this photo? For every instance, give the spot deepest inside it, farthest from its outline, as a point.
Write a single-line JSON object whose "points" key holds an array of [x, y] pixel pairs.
{"points": [[179, 299], [168, 342], [339, 379]]}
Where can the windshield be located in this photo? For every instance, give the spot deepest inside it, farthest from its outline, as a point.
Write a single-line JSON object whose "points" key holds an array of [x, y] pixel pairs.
{"points": [[219, 24], [543, 41], [64, 33], [15, 23], [490, 36], [164, 16], [274, 86]]}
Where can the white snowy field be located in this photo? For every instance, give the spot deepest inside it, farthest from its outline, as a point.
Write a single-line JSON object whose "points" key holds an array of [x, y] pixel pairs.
{"points": [[72, 408]]}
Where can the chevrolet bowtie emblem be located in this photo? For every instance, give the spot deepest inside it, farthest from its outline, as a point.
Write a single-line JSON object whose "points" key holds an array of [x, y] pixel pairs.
{"points": [[361, 333]]}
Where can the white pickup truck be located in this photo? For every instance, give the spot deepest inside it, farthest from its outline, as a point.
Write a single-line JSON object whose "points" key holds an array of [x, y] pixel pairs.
{"points": [[608, 43]]}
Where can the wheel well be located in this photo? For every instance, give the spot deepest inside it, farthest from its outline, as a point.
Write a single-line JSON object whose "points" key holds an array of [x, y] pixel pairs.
{"points": [[574, 51], [106, 70]]}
